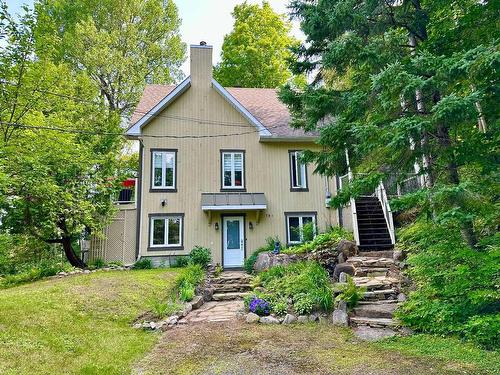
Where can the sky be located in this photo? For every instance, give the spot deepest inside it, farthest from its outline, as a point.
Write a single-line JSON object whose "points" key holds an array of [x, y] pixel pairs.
{"points": [[207, 20]]}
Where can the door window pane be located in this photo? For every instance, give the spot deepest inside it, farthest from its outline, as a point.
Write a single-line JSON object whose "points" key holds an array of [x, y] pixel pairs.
{"points": [[233, 234]]}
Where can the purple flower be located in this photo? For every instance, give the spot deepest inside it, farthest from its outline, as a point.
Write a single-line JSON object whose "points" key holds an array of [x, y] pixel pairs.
{"points": [[259, 306]]}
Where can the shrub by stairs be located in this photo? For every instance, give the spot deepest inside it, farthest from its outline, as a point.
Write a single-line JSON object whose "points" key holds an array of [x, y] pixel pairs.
{"points": [[380, 275], [231, 286]]}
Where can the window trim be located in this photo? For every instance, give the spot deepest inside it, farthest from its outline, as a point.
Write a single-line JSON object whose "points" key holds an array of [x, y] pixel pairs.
{"points": [[241, 188], [295, 188], [162, 189], [300, 215], [164, 247]]}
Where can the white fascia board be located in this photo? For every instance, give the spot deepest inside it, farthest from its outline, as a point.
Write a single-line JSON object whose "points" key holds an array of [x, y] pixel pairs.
{"points": [[234, 208], [240, 108], [311, 139], [135, 130]]}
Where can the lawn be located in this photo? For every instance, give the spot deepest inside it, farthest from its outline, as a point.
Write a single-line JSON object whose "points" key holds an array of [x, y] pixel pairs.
{"points": [[240, 348], [79, 324]]}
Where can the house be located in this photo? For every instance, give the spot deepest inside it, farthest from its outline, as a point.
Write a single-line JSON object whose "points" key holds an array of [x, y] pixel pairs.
{"points": [[219, 168]]}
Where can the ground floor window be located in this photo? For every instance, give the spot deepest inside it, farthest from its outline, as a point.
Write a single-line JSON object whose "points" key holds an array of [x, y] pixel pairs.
{"points": [[300, 227], [166, 231]]}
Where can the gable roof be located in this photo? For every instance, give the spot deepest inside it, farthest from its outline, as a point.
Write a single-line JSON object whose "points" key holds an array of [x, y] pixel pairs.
{"points": [[259, 106]]}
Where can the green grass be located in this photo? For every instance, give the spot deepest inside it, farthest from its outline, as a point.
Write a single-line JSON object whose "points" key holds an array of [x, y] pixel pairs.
{"points": [[78, 325]]}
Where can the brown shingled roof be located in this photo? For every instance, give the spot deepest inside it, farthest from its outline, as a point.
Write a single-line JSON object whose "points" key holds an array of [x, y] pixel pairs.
{"points": [[263, 104]]}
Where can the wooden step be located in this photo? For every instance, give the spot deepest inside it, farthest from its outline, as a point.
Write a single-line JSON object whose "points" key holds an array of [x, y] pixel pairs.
{"points": [[373, 322], [229, 296]]}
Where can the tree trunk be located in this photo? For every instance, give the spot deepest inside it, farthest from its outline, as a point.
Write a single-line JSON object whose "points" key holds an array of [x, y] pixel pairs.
{"points": [[73, 259]]}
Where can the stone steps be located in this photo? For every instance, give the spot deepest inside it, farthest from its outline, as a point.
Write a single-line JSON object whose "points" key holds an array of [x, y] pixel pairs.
{"points": [[373, 322], [377, 254], [372, 271], [232, 279], [229, 296], [232, 287], [380, 294], [376, 310], [376, 283], [371, 262]]}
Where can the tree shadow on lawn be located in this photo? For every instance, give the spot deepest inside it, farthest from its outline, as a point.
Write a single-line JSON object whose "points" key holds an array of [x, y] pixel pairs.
{"points": [[238, 348]]}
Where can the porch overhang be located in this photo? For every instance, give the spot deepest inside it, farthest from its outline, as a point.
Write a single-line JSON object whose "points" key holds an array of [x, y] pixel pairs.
{"points": [[232, 202]]}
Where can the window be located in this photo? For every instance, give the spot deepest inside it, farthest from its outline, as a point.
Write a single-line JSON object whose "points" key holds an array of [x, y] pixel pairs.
{"points": [[166, 231], [298, 173], [163, 171], [300, 227], [233, 164]]}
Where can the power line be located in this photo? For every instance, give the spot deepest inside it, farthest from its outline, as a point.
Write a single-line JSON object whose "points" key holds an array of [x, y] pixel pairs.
{"points": [[79, 131]]}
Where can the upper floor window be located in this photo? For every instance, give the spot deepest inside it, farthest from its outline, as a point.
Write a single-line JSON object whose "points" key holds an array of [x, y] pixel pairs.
{"points": [[298, 172], [233, 169], [163, 170]]}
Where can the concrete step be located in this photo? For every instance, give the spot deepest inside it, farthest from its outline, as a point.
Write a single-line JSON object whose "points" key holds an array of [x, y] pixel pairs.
{"points": [[381, 294], [229, 296], [373, 322], [232, 287], [376, 310]]}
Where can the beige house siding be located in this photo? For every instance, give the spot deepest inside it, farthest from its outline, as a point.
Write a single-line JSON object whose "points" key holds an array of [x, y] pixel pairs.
{"points": [[199, 171]]}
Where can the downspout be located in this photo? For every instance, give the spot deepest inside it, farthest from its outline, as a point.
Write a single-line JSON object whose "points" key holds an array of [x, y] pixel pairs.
{"points": [[139, 200]]}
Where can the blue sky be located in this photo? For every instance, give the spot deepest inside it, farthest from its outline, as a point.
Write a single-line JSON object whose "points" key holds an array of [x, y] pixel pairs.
{"points": [[207, 20]]}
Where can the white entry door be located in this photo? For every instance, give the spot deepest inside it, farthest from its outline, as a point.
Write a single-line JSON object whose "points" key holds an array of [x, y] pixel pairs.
{"points": [[233, 238]]}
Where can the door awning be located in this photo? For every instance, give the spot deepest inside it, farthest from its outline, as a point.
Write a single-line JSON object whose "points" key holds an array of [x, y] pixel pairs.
{"points": [[233, 201]]}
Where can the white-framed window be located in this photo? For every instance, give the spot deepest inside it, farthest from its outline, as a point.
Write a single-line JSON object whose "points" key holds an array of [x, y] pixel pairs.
{"points": [[299, 226], [233, 169], [163, 169], [298, 172], [166, 231]]}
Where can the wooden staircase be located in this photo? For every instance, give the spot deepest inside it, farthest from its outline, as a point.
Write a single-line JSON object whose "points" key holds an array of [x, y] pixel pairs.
{"points": [[372, 226]]}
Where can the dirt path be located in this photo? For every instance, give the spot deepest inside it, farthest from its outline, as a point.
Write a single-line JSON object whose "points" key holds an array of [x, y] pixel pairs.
{"points": [[234, 347]]}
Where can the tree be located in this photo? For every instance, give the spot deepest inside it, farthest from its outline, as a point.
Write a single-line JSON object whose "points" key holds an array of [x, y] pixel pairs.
{"points": [[120, 45], [255, 53], [399, 83]]}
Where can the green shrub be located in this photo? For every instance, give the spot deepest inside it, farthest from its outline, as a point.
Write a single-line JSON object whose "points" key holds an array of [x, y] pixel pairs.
{"points": [[350, 293], [218, 270], [181, 261], [201, 255], [305, 281], [192, 275], [280, 307], [303, 304], [186, 292], [97, 263], [268, 247], [143, 264], [327, 239], [161, 308], [457, 286]]}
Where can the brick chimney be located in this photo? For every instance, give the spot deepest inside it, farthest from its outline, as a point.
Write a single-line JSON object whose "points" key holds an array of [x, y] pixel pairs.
{"points": [[201, 65]]}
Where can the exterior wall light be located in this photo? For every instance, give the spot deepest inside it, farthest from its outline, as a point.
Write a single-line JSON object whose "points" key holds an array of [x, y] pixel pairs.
{"points": [[250, 225], [216, 225]]}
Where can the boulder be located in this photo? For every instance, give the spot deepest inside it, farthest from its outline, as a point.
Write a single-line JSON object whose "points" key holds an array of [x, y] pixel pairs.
{"points": [[368, 333], [343, 268], [314, 317], [267, 260], [252, 318], [341, 305], [401, 297], [188, 307], [208, 293], [347, 248], [303, 319], [269, 320], [172, 320], [197, 302], [340, 318], [398, 255], [289, 319]]}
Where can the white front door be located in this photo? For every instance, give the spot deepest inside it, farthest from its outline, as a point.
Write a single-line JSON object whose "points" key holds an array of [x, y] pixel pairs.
{"points": [[233, 241]]}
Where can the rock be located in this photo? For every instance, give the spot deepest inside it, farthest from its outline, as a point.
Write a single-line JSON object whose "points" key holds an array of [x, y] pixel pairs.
{"points": [[343, 277], [405, 331], [368, 333], [208, 293], [252, 318], [289, 319], [401, 297], [323, 320], [188, 307], [341, 258], [172, 320], [137, 326], [145, 325], [197, 302], [345, 268], [269, 320], [341, 305], [303, 319], [347, 248], [398, 255], [267, 260], [340, 318], [152, 325], [86, 272], [314, 317]]}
